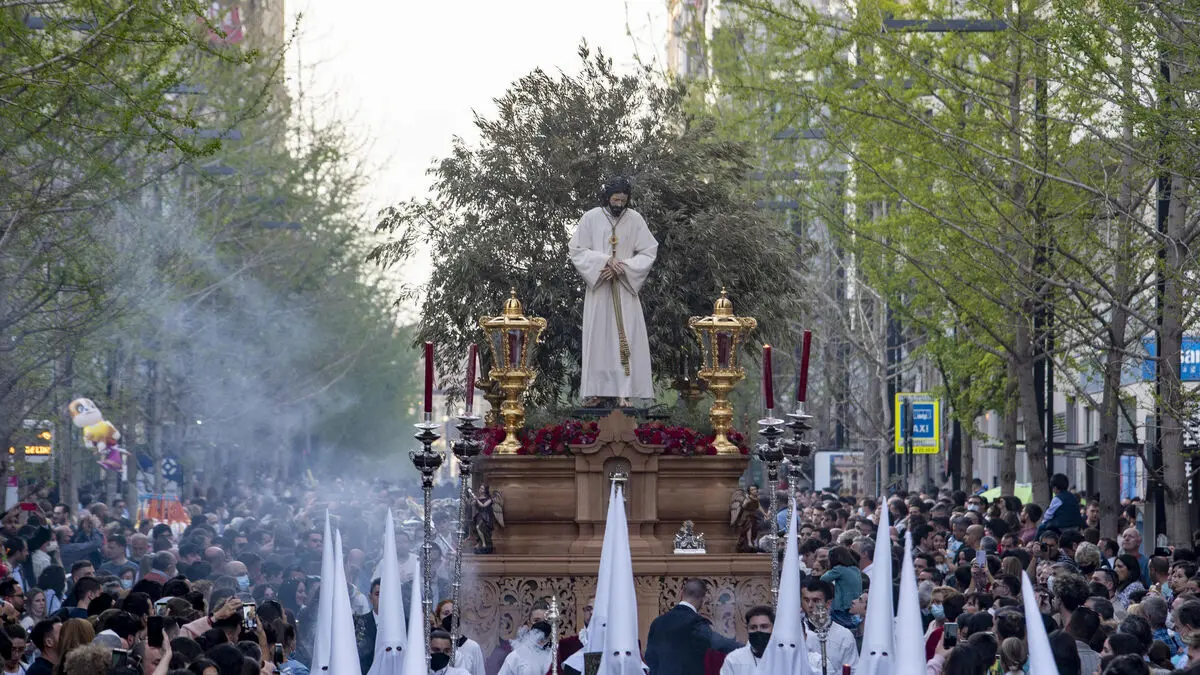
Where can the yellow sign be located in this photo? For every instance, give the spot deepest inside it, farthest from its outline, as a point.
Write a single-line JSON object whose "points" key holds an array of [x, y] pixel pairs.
{"points": [[926, 423], [43, 449]]}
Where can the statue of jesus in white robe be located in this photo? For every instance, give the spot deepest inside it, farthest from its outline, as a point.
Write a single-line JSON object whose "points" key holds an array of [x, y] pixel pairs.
{"points": [[614, 255]]}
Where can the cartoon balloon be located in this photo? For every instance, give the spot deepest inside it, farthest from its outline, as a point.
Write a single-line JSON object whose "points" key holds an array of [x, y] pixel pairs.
{"points": [[98, 433]]}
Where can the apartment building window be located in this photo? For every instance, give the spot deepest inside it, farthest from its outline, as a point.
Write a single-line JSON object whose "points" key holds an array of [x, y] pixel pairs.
{"points": [[1089, 425]]}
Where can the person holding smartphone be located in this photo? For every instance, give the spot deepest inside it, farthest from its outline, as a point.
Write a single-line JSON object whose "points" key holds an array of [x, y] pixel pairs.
{"points": [[155, 651]]}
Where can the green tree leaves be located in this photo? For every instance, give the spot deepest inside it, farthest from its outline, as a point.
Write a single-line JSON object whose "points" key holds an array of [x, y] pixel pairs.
{"points": [[502, 214]]}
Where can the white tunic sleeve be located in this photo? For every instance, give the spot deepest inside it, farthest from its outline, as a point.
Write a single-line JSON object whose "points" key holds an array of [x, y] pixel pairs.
{"points": [[645, 250], [588, 262]]}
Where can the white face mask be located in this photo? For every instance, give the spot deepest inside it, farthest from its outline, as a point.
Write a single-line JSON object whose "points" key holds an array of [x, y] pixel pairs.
{"points": [[973, 507]]}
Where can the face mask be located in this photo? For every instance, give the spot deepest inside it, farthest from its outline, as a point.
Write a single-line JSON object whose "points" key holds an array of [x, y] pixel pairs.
{"points": [[616, 210], [938, 611], [759, 641], [52, 547], [243, 582], [127, 584], [447, 622], [973, 507], [438, 661], [855, 620]]}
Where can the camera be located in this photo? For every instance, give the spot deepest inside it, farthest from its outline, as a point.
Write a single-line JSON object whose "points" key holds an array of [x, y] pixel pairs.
{"points": [[277, 654]]}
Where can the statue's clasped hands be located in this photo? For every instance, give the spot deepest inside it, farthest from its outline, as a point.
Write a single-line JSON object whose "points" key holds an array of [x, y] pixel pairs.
{"points": [[612, 269]]}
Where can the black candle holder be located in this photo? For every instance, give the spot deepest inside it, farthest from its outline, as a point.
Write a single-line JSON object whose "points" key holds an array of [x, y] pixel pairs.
{"points": [[466, 450], [427, 461], [796, 450]]}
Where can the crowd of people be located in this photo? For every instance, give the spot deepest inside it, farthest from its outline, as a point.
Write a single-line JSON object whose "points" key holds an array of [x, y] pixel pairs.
{"points": [[1110, 606], [87, 589]]}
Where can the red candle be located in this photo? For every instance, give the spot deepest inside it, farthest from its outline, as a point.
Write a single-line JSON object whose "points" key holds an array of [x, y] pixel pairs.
{"points": [[513, 359], [722, 350], [470, 393], [768, 383], [428, 377], [802, 390]]}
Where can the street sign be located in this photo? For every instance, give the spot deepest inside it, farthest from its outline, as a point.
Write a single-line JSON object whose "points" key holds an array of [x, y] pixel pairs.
{"points": [[926, 423], [1189, 359]]}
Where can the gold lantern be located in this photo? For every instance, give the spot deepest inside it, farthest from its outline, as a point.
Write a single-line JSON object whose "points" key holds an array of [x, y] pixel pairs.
{"points": [[720, 336], [512, 339]]}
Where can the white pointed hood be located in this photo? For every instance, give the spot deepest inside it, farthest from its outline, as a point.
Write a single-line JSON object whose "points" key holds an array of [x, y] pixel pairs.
{"points": [[614, 525], [415, 648], [324, 605], [910, 639], [1041, 659], [390, 634], [597, 628], [877, 646], [343, 646], [622, 654], [787, 653]]}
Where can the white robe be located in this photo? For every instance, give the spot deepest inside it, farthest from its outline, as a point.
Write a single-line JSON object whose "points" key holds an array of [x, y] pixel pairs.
{"points": [[740, 661], [469, 657], [590, 249], [840, 648], [526, 660]]}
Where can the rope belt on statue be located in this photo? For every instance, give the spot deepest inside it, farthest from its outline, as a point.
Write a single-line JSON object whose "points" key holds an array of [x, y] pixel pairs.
{"points": [[623, 346]]}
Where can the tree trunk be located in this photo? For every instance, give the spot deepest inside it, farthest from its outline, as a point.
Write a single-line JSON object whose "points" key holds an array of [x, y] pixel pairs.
{"points": [[1108, 464], [967, 461], [1008, 456], [1035, 446], [1170, 352]]}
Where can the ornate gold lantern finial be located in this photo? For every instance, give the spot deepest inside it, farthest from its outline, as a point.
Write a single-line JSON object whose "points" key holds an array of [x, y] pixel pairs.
{"points": [[512, 339], [512, 306], [720, 335], [723, 306]]}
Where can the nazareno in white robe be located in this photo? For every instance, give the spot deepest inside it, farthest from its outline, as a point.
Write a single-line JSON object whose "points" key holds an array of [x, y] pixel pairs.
{"points": [[590, 249]]}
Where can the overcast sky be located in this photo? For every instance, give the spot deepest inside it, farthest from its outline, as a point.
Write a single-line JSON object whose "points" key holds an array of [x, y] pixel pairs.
{"points": [[409, 73]]}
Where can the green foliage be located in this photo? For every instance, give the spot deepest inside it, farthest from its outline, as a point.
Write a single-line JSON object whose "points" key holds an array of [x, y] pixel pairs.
{"points": [[503, 211], [211, 294], [991, 175]]}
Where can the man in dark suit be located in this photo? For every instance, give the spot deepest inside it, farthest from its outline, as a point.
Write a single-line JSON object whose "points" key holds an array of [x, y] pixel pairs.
{"points": [[678, 639], [366, 630]]}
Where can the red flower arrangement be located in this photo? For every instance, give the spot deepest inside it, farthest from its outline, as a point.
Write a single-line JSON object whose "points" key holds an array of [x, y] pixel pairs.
{"points": [[549, 441], [683, 441], [555, 440]]}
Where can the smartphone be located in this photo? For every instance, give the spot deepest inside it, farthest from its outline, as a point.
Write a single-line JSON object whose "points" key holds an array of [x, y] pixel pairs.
{"points": [[120, 658], [160, 606], [250, 616], [29, 506], [981, 559], [277, 655], [949, 635], [154, 631]]}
